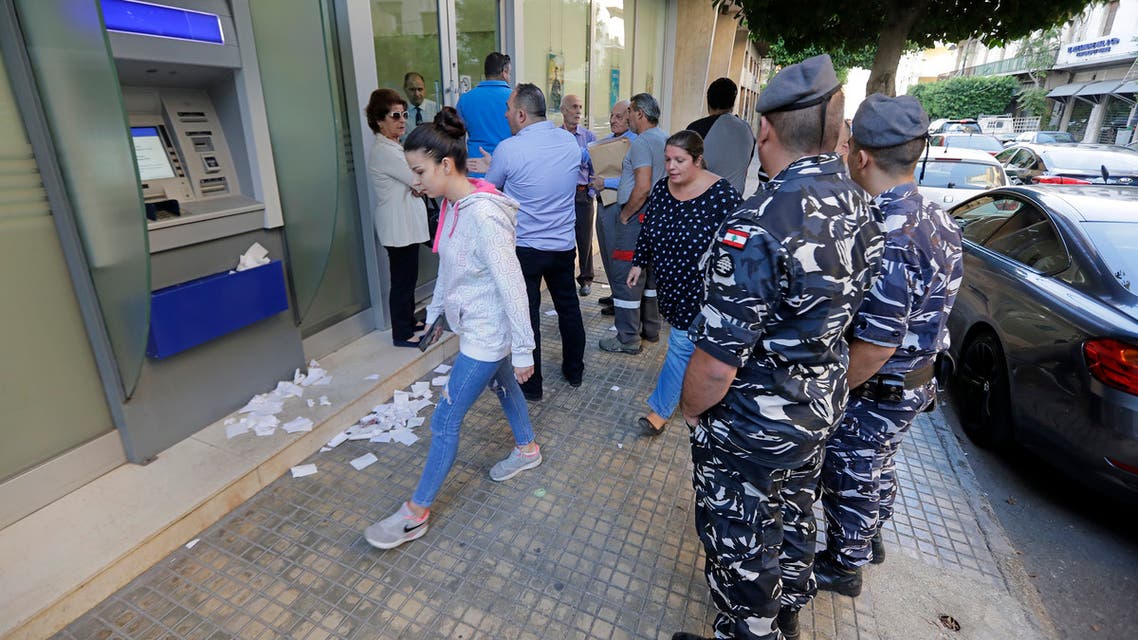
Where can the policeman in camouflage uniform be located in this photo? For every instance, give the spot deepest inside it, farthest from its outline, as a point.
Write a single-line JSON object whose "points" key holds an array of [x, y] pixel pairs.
{"points": [[897, 333], [767, 382]]}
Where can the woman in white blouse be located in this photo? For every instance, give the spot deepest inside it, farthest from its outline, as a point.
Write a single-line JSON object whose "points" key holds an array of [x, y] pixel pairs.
{"points": [[400, 213]]}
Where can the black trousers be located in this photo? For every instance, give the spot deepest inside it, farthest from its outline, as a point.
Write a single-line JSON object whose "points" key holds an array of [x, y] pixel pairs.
{"points": [[556, 268], [583, 205], [403, 263]]}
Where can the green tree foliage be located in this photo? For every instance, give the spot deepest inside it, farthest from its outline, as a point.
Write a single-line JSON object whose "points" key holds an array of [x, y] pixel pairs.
{"points": [[843, 60], [966, 97], [887, 25], [1033, 102]]}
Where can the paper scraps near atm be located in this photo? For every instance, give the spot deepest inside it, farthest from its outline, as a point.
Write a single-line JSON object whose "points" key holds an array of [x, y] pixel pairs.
{"points": [[364, 461], [439, 381], [302, 470], [615, 388], [336, 440], [374, 376], [191, 543], [315, 376], [324, 402], [254, 256], [421, 388], [393, 421], [310, 402], [286, 389], [443, 368], [236, 429], [262, 404], [297, 425], [551, 312]]}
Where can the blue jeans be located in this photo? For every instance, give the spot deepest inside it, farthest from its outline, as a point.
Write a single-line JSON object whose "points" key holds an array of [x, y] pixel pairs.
{"points": [[670, 382], [467, 380]]}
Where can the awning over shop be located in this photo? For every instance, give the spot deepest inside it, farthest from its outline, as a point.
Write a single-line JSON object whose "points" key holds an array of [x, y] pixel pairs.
{"points": [[1128, 87], [1066, 90], [1099, 88]]}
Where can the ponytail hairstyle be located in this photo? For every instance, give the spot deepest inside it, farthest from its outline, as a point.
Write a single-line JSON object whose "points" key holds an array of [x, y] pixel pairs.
{"points": [[443, 138]]}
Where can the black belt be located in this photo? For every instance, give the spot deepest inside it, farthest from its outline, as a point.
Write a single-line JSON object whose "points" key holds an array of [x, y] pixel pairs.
{"points": [[890, 387]]}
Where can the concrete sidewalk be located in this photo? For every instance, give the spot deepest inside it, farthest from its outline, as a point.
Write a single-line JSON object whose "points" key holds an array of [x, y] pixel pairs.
{"points": [[598, 542]]}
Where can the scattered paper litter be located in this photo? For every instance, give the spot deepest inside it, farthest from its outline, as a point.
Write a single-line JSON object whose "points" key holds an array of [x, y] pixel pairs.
{"points": [[337, 439], [404, 436], [364, 461], [619, 446], [325, 449], [551, 312], [604, 286], [297, 425], [421, 388], [286, 389], [439, 381], [229, 421], [316, 376], [417, 421], [443, 368], [612, 328], [615, 388], [235, 429], [310, 402], [191, 543], [374, 376], [324, 401], [383, 437], [262, 404], [302, 470]]}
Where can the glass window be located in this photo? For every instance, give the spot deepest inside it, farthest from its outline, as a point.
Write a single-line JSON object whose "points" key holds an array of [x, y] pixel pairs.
{"points": [[982, 216], [648, 57], [1091, 160], [1028, 237], [611, 66], [1117, 244], [557, 49], [477, 25], [406, 40], [946, 174]]}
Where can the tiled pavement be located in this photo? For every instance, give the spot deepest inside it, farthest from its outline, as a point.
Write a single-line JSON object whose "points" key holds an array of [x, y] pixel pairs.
{"points": [[598, 542]]}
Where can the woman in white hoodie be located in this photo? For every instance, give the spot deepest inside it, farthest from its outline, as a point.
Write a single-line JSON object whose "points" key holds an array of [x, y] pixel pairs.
{"points": [[481, 291]]}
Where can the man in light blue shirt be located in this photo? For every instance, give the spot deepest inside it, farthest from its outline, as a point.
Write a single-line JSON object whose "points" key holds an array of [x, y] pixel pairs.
{"points": [[538, 167], [482, 109]]}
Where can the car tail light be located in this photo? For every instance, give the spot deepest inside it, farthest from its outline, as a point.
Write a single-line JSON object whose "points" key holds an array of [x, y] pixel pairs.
{"points": [[1060, 180], [1113, 363]]}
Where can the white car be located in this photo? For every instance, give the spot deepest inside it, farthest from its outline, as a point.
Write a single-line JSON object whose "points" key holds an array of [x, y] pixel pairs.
{"points": [[950, 174]]}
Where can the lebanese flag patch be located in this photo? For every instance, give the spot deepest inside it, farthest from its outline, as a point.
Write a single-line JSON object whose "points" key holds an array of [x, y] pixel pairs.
{"points": [[735, 238]]}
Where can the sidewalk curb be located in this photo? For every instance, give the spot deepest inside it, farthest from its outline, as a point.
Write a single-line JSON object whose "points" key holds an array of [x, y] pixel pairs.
{"points": [[1016, 578]]}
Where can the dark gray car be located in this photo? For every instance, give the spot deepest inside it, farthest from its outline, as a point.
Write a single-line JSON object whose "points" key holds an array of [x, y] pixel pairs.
{"points": [[1045, 327]]}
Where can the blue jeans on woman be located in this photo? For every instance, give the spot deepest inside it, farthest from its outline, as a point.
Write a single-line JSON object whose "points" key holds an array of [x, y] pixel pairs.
{"points": [[670, 382], [467, 380]]}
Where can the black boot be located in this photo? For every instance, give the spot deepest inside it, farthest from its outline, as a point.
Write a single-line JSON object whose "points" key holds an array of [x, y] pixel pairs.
{"points": [[788, 623], [684, 635], [877, 546], [833, 577]]}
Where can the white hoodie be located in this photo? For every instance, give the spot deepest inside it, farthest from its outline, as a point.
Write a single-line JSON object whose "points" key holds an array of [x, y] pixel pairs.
{"points": [[480, 286]]}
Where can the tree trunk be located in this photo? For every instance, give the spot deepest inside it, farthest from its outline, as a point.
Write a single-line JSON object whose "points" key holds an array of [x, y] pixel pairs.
{"points": [[890, 44]]}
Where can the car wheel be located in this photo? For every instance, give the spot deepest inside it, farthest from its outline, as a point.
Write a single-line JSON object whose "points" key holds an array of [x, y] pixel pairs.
{"points": [[984, 403]]}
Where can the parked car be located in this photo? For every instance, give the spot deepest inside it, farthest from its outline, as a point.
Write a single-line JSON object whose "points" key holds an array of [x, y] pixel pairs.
{"points": [[1045, 327], [1069, 164], [978, 141], [958, 125], [1045, 137], [950, 174]]}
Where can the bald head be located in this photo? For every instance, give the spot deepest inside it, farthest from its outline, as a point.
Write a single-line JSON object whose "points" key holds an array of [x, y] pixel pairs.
{"points": [[572, 108], [618, 119]]}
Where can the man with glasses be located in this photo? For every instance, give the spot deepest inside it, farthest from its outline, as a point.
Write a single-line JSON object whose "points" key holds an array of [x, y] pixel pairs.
{"points": [[483, 109]]}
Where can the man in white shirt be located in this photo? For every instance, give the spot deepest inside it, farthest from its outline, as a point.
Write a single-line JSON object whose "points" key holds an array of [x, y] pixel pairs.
{"points": [[420, 108]]}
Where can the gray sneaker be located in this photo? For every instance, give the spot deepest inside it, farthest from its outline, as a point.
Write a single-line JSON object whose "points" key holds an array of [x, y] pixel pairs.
{"points": [[514, 464], [397, 528], [614, 345]]}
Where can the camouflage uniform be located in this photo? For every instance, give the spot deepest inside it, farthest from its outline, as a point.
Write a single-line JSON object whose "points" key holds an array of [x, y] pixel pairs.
{"points": [[783, 278], [907, 308]]}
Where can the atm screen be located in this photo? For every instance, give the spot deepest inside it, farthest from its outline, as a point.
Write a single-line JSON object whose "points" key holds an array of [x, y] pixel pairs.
{"points": [[150, 153]]}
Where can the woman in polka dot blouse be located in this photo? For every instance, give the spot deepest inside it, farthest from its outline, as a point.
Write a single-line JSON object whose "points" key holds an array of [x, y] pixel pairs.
{"points": [[684, 211]]}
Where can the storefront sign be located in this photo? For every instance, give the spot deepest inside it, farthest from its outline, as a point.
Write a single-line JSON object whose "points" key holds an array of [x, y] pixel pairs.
{"points": [[1105, 49]]}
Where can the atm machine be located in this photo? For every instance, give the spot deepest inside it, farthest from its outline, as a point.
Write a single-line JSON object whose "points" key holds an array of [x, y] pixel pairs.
{"points": [[192, 98]]}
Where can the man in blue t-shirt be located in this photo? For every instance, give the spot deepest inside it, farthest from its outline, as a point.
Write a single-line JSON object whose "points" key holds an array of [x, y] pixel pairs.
{"points": [[483, 108]]}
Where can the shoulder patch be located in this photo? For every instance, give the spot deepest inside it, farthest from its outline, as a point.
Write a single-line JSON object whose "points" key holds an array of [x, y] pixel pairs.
{"points": [[735, 238]]}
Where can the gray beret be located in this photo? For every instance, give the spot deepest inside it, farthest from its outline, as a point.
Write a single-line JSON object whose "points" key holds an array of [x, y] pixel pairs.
{"points": [[800, 85], [881, 121]]}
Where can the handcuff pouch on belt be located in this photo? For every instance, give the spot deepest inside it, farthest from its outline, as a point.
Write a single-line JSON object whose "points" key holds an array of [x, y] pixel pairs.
{"points": [[890, 387]]}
